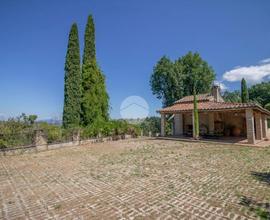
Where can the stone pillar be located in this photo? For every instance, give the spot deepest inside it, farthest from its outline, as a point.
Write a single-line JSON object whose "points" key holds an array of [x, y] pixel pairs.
{"points": [[162, 124], [76, 137], [40, 140], [264, 126], [250, 126], [258, 122], [211, 123], [178, 124]]}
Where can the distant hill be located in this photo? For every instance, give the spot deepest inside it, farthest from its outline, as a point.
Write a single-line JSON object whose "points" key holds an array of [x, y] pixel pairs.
{"points": [[51, 121], [134, 121]]}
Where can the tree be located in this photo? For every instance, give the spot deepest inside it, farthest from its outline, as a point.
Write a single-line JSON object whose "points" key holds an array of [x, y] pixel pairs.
{"points": [[95, 99], [166, 81], [27, 119], [244, 91], [32, 119], [72, 90], [267, 106], [198, 78], [171, 81], [233, 96], [150, 124], [260, 93], [196, 72]]}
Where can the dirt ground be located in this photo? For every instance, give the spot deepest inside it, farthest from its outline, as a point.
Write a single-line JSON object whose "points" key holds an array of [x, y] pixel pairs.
{"points": [[137, 179]]}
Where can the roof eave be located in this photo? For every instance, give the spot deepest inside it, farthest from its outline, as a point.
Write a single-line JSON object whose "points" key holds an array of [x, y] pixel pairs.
{"points": [[257, 107]]}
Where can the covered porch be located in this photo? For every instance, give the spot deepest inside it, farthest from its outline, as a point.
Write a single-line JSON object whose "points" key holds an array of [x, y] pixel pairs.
{"points": [[244, 126]]}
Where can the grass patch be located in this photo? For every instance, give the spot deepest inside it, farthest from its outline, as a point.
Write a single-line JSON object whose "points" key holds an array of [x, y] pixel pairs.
{"points": [[262, 213]]}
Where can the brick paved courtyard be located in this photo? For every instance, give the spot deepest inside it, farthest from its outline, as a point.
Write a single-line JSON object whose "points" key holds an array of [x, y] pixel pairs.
{"points": [[141, 179]]}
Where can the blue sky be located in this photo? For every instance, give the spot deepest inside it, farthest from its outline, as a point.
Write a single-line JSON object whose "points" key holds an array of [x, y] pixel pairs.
{"points": [[232, 36]]}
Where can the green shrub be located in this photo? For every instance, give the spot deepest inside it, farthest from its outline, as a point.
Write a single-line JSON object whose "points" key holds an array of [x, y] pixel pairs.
{"points": [[53, 133], [3, 144], [20, 131], [16, 132], [109, 128], [150, 124]]}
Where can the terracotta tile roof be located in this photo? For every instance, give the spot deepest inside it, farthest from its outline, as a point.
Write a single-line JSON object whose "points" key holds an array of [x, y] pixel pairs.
{"points": [[200, 97], [211, 105]]}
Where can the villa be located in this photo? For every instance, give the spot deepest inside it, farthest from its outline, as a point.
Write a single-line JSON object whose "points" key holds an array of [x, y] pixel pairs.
{"points": [[217, 118]]}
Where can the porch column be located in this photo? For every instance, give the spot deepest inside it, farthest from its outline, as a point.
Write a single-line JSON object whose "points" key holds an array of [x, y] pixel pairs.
{"points": [[258, 122], [162, 129], [250, 126], [211, 123], [264, 126], [178, 124]]}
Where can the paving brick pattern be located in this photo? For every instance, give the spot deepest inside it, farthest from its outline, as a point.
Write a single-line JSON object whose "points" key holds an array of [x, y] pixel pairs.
{"points": [[136, 179]]}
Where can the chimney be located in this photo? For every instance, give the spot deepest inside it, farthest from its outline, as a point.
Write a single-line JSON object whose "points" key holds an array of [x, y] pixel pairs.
{"points": [[216, 93]]}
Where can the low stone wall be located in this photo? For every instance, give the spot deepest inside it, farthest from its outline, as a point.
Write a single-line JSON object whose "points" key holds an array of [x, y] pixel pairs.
{"points": [[44, 146], [18, 150], [61, 145]]}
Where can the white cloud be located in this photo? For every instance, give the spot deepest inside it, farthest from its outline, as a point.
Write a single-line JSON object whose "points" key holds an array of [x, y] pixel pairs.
{"points": [[252, 74], [265, 60], [223, 87]]}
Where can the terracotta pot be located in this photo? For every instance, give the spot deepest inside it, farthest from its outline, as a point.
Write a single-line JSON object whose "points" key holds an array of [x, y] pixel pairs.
{"points": [[236, 132]]}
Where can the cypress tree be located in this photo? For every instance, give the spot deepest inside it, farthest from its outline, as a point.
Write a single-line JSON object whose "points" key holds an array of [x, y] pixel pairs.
{"points": [[89, 52], [244, 91], [196, 131], [72, 88], [94, 96]]}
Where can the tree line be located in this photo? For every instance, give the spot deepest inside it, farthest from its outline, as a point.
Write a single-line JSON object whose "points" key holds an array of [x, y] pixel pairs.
{"points": [[172, 80], [85, 97], [258, 93]]}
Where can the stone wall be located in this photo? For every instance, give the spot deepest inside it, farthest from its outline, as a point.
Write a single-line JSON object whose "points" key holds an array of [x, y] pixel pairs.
{"points": [[40, 144]]}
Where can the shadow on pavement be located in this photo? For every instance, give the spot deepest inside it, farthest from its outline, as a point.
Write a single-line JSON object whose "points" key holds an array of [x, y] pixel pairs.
{"points": [[262, 176]]}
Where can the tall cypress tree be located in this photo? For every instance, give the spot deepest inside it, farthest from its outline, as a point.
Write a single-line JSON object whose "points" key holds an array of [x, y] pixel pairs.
{"points": [[72, 92], [95, 99], [89, 52], [244, 91]]}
